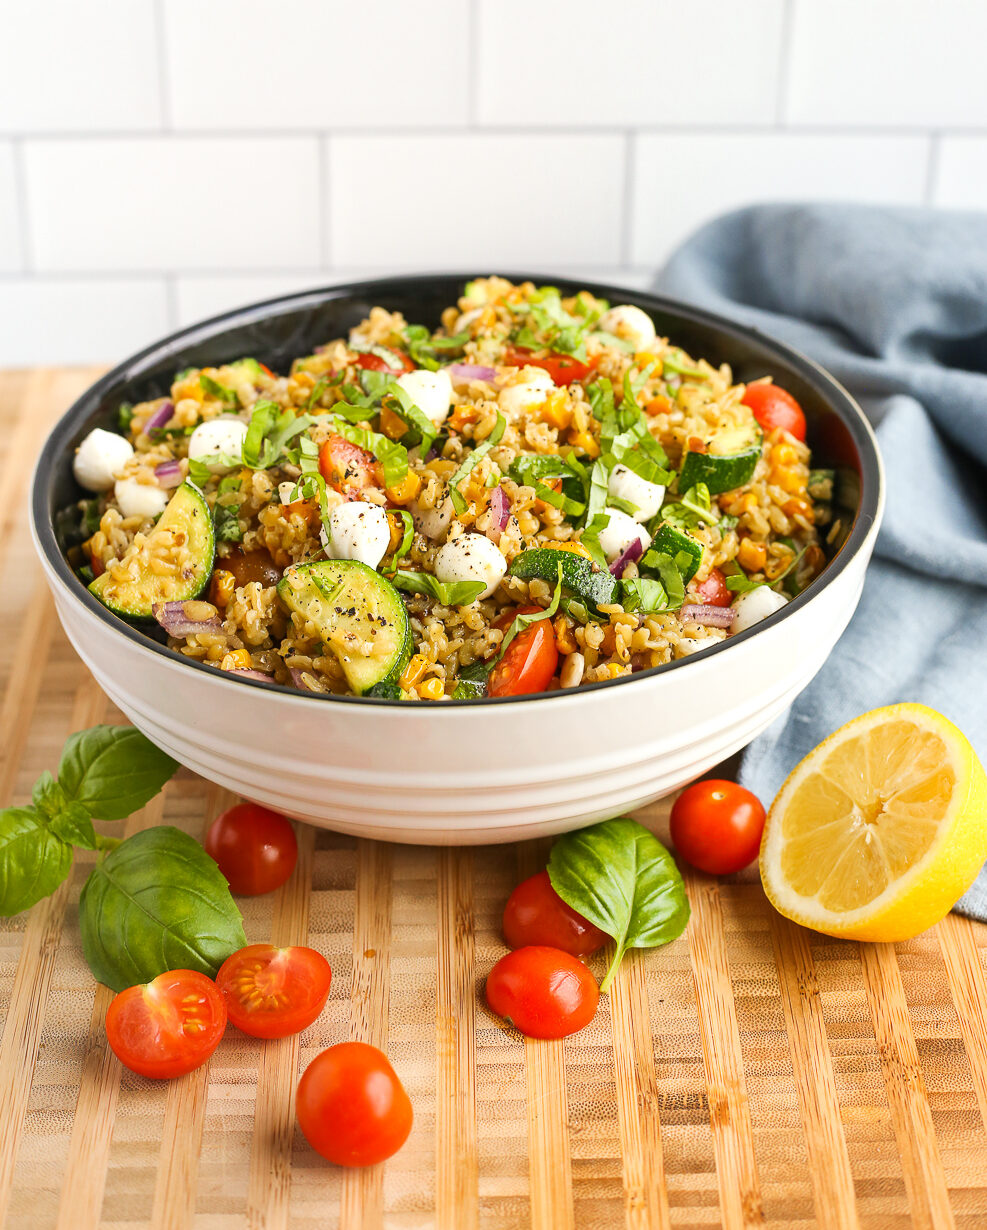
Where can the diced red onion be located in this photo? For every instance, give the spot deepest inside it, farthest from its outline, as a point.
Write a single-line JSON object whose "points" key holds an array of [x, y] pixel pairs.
{"points": [[160, 417], [634, 550], [168, 474], [463, 373], [171, 616], [264, 676], [640, 662], [298, 678], [500, 507], [707, 615]]}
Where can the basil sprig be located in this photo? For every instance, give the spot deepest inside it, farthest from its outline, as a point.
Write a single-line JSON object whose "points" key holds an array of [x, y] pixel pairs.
{"points": [[449, 593], [227, 396], [619, 876], [471, 461]]}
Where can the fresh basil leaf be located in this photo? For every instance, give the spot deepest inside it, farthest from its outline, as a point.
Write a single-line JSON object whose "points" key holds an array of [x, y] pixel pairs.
{"points": [[674, 361], [619, 876], [633, 386], [155, 903], [227, 396], [392, 457], [643, 594], [692, 508], [318, 389], [525, 621], [590, 538], [33, 859], [399, 403], [112, 770], [125, 416], [423, 347], [67, 820], [198, 467], [471, 461], [226, 523], [404, 546], [449, 593]]}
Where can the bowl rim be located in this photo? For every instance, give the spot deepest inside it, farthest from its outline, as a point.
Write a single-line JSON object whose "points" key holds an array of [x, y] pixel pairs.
{"points": [[865, 526]]}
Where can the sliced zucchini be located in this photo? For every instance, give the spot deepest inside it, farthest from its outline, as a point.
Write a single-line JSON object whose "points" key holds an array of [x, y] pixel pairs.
{"points": [[184, 531], [728, 463], [581, 578], [685, 550], [358, 614], [472, 681]]}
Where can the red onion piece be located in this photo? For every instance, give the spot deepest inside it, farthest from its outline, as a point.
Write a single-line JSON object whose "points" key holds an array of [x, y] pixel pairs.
{"points": [[160, 418], [265, 676], [707, 615], [298, 679], [634, 550], [500, 508], [168, 474], [171, 616], [463, 373]]}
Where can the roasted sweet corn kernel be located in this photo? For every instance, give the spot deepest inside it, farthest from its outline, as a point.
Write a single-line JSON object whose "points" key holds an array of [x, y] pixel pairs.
{"points": [[406, 490], [392, 425], [431, 689], [586, 443], [222, 587], [752, 555], [237, 660], [416, 667]]}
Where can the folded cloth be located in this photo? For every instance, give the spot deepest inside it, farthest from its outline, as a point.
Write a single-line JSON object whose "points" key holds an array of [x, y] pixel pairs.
{"points": [[894, 303]]}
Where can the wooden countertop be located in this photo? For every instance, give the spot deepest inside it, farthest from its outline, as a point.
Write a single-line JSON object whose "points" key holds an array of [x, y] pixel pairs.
{"points": [[752, 1073]]}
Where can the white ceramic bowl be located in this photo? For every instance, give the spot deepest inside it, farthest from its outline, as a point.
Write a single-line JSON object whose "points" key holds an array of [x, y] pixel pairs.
{"points": [[469, 771]]}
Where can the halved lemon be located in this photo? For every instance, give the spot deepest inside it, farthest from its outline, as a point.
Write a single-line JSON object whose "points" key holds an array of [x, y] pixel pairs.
{"points": [[880, 829]]}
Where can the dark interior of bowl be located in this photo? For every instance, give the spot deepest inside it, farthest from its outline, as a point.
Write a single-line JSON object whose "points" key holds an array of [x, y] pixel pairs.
{"points": [[280, 330]]}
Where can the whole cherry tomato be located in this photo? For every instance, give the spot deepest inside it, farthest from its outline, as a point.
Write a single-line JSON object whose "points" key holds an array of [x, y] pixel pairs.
{"points": [[773, 407], [543, 992], [168, 1026], [351, 1106], [717, 825], [273, 992], [255, 848], [713, 591], [530, 660], [563, 368], [398, 365], [348, 468], [536, 914]]}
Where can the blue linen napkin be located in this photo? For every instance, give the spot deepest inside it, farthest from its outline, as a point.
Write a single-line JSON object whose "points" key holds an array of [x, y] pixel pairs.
{"points": [[893, 302]]}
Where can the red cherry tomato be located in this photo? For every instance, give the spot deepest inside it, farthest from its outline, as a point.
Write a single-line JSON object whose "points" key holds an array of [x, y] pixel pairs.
{"points": [[273, 992], [255, 848], [717, 825], [543, 992], [773, 407], [166, 1027], [351, 1106], [536, 914], [563, 368], [530, 660], [347, 467], [713, 591], [376, 363]]}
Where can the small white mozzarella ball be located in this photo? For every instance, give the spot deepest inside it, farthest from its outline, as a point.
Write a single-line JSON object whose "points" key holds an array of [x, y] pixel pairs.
{"points": [[629, 323], [100, 455], [359, 531], [686, 646], [624, 484], [531, 390], [430, 391], [620, 532], [471, 557], [433, 522], [757, 604], [286, 492], [139, 499], [225, 435]]}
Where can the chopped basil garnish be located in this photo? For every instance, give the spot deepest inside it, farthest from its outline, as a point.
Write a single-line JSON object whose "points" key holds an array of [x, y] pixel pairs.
{"points": [[471, 461]]}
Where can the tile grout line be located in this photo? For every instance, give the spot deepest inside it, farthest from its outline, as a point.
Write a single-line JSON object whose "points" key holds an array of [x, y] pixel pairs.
{"points": [[163, 60], [473, 64], [23, 213]]}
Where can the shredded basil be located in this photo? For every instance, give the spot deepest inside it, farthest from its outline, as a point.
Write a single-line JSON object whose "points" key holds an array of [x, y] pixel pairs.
{"points": [[673, 361], [424, 348], [404, 546], [271, 429], [227, 396], [449, 593], [226, 523], [471, 461], [695, 506], [643, 594], [125, 416], [521, 622], [423, 429]]}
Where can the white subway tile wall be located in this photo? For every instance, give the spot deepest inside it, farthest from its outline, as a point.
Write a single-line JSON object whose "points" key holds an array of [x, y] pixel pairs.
{"points": [[177, 157]]}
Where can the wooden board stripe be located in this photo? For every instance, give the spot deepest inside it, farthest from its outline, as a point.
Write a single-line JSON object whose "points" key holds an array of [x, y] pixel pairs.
{"points": [[181, 1147], [911, 1116], [815, 1082], [723, 1063], [457, 1166], [274, 1109], [33, 646], [968, 988]]}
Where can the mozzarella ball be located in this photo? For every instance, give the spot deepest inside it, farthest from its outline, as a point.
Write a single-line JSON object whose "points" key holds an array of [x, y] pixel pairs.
{"points": [[624, 484], [533, 388], [224, 435], [358, 530], [138, 499], [430, 391], [286, 492], [100, 455], [433, 522], [757, 604], [471, 557], [620, 532], [631, 324]]}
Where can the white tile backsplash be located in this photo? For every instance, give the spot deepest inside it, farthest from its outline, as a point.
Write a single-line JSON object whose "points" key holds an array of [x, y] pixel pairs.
{"points": [[199, 296], [479, 201], [160, 203], [318, 64], [76, 67], [629, 62], [10, 228], [888, 63], [961, 173], [682, 181]]}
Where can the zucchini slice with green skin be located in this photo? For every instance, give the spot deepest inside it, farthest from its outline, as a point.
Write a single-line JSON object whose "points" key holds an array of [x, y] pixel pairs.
{"points": [[358, 614], [184, 527], [729, 463], [582, 578], [685, 550]]}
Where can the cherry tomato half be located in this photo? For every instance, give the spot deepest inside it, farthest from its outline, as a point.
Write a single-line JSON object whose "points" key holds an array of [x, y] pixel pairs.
{"points": [[168, 1026], [347, 467], [530, 660], [273, 992], [536, 914], [563, 368], [400, 364], [255, 848], [717, 825], [543, 992], [713, 591], [773, 407], [351, 1106]]}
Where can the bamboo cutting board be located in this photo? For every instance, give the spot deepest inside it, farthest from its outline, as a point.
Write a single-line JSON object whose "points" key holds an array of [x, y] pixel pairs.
{"points": [[749, 1074]]}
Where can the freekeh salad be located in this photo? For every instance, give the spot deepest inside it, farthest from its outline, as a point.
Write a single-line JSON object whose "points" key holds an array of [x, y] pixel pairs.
{"points": [[539, 494]]}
